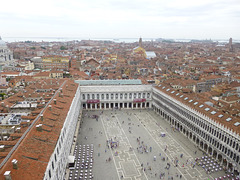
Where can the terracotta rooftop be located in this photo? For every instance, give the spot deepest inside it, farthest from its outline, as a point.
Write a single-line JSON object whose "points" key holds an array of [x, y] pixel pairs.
{"points": [[36, 148]]}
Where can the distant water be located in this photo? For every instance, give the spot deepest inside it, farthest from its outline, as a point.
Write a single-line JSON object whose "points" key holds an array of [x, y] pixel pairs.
{"points": [[64, 39], [117, 40]]}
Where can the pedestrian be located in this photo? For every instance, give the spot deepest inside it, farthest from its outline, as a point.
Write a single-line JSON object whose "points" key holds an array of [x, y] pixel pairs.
{"points": [[154, 158]]}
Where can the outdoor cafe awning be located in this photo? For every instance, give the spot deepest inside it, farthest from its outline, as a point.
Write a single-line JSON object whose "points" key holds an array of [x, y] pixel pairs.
{"points": [[93, 101]]}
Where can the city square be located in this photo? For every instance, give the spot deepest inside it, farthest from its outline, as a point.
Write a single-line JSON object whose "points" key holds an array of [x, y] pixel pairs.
{"points": [[136, 144]]}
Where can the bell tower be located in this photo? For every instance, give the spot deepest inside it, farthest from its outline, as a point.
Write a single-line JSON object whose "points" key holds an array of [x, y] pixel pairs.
{"points": [[140, 42]]}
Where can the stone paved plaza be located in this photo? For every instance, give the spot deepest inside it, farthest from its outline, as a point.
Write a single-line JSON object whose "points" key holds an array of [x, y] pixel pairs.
{"points": [[127, 161]]}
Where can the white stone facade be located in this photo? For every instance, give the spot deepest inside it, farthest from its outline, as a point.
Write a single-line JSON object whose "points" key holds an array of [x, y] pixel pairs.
{"points": [[58, 162], [210, 136], [117, 96], [6, 56]]}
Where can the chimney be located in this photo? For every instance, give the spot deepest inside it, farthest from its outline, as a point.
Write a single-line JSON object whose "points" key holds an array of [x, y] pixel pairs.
{"points": [[43, 94], [39, 127], [13, 129], [55, 101], [29, 95], [8, 109], [7, 175], [61, 90], [41, 117], [28, 122], [15, 164], [50, 107], [2, 148], [18, 129], [5, 138]]}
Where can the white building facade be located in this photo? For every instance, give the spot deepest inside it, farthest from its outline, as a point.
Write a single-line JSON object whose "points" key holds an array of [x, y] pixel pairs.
{"points": [[116, 97], [6, 56], [210, 136], [58, 162]]}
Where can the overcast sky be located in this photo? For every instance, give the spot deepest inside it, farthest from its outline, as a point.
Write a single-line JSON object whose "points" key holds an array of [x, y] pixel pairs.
{"points": [[199, 19]]}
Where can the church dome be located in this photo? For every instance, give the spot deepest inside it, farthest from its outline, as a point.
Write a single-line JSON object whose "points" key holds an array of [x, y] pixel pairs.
{"points": [[2, 43]]}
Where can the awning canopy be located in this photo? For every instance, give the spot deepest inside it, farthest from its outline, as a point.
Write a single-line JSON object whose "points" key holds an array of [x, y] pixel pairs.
{"points": [[93, 101], [139, 100]]}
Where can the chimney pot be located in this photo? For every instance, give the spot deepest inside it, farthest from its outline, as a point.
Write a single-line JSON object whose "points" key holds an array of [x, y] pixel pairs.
{"points": [[2, 148], [15, 164], [7, 175]]}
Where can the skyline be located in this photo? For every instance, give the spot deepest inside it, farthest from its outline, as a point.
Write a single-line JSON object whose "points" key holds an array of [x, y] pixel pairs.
{"points": [[184, 19], [116, 40]]}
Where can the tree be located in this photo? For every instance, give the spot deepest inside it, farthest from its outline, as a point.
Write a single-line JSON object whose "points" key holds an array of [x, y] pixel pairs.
{"points": [[63, 48], [2, 95]]}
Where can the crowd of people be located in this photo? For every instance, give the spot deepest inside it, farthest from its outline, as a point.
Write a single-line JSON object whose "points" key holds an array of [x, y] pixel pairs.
{"points": [[159, 165]]}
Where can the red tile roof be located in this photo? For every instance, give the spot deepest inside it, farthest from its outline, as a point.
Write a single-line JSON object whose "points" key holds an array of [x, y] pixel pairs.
{"points": [[36, 148]]}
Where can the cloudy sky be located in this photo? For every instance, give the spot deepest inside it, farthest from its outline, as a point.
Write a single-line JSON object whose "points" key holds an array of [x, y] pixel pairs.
{"points": [[199, 19]]}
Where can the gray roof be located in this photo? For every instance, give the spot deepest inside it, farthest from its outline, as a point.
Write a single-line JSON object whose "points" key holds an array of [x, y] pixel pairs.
{"points": [[109, 82], [150, 54]]}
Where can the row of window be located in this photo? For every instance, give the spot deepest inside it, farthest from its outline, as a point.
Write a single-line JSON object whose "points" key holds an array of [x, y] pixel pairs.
{"points": [[4, 50], [116, 96], [199, 132], [74, 113], [215, 131], [59, 146], [195, 121]]}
